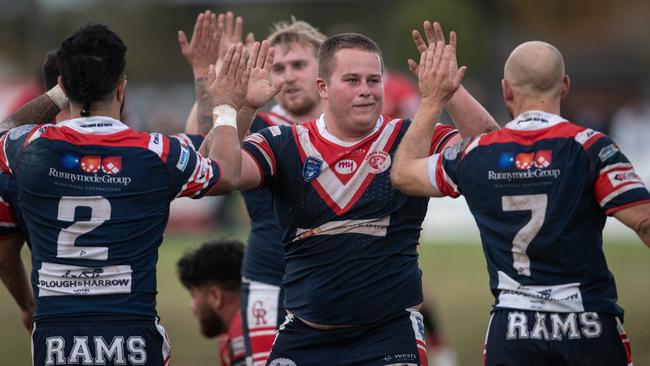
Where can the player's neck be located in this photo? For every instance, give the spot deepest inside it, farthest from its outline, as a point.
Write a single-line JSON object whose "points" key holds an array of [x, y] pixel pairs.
{"points": [[313, 114], [337, 129], [550, 105], [98, 109]]}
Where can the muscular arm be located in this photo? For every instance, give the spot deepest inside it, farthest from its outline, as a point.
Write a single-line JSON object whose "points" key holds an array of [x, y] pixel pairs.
{"points": [[469, 116], [637, 218], [14, 277], [203, 109], [409, 173], [39, 110]]}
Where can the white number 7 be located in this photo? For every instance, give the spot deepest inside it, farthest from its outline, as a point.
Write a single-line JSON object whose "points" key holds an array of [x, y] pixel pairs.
{"points": [[100, 211], [536, 204]]}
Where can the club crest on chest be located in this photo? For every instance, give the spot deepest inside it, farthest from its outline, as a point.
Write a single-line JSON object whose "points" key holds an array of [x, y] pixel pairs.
{"points": [[311, 168]]}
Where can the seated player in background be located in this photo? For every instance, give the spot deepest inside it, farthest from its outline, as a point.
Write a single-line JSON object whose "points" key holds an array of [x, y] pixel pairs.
{"points": [[95, 196], [540, 190], [212, 275]]}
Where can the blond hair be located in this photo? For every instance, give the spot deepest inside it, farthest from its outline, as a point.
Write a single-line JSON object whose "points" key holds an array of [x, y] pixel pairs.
{"points": [[299, 31]]}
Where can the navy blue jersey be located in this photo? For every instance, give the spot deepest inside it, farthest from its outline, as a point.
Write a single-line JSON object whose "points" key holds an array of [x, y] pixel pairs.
{"points": [[8, 219], [540, 190], [264, 259], [349, 238], [95, 198]]}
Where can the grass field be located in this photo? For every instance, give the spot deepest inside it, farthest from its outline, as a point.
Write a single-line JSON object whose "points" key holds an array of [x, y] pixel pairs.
{"points": [[455, 282]]}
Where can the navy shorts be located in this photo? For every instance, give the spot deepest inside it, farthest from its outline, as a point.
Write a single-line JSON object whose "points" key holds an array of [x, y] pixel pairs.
{"points": [[100, 340], [530, 338], [396, 341], [262, 306]]}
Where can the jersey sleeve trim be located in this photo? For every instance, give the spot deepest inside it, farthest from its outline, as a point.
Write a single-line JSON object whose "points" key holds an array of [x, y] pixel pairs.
{"points": [[260, 144], [259, 168], [439, 178], [614, 210], [441, 135]]}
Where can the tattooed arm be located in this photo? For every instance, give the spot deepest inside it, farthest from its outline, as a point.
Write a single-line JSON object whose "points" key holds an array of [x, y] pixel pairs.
{"points": [[39, 110]]}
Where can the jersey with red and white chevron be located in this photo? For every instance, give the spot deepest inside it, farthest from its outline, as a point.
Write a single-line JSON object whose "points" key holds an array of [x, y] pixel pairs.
{"points": [[540, 190], [350, 239], [95, 198]]}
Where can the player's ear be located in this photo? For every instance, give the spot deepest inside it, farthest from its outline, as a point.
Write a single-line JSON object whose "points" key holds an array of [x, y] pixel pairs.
{"points": [[322, 87], [566, 85], [121, 89], [215, 297], [506, 91]]}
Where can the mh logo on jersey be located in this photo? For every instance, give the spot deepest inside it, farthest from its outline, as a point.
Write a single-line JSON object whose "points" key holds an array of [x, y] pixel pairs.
{"points": [[524, 161]]}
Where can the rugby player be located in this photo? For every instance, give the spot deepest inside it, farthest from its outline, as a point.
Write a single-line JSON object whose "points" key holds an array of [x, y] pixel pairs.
{"points": [[540, 190], [212, 275], [95, 195]]}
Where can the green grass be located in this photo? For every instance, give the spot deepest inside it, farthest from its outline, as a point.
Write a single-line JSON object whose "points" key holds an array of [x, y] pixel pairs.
{"points": [[455, 282]]}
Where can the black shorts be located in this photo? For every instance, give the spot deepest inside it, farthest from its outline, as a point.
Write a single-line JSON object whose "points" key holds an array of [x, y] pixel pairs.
{"points": [[397, 341], [530, 338], [100, 340]]}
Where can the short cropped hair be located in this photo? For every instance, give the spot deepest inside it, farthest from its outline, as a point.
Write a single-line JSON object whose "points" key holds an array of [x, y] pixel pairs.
{"points": [[216, 262], [338, 42], [92, 63], [51, 70], [296, 31]]}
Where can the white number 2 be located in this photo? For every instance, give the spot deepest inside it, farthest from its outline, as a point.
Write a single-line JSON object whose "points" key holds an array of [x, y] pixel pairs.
{"points": [[100, 211], [536, 204]]}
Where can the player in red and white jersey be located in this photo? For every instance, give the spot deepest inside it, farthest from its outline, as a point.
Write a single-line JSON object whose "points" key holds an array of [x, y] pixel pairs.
{"points": [[351, 278], [540, 190]]}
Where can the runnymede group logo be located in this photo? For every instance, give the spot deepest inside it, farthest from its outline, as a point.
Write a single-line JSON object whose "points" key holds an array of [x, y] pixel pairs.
{"points": [[92, 164], [529, 165]]}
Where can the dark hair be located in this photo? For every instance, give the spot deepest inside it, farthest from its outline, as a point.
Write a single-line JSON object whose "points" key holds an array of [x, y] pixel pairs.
{"points": [[338, 42], [92, 63], [216, 262], [50, 70]]}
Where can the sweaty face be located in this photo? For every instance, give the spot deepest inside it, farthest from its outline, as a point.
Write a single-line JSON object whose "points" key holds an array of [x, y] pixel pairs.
{"points": [[354, 93], [209, 321], [298, 66]]}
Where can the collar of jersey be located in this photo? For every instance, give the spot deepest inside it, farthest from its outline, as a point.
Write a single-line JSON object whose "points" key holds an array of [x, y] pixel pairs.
{"points": [[322, 130], [534, 120], [91, 125], [277, 109]]}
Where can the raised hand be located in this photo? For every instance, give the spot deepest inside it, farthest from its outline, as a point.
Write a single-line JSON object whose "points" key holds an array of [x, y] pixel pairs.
{"points": [[434, 34], [438, 73], [232, 31], [260, 88], [203, 49], [230, 83]]}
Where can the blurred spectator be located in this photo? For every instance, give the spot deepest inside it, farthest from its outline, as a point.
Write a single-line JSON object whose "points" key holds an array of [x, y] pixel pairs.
{"points": [[630, 129], [401, 95]]}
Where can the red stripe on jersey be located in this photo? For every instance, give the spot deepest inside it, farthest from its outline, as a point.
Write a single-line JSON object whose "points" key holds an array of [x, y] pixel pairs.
{"points": [[441, 135], [259, 167], [564, 130], [126, 138], [4, 164], [612, 180], [263, 146], [443, 181], [422, 352], [165, 152], [614, 210]]}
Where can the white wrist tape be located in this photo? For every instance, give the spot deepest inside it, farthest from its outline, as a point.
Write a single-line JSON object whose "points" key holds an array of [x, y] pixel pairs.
{"points": [[57, 96], [224, 115]]}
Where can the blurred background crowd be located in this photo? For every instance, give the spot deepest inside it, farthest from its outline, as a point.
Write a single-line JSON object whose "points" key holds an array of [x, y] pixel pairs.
{"points": [[606, 44]]}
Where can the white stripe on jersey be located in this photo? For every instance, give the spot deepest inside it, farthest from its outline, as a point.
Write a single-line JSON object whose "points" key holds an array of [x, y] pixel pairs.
{"points": [[619, 191], [156, 143], [374, 227]]}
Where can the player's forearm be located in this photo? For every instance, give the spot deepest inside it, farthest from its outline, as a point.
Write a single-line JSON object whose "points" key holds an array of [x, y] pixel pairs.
{"points": [[225, 149], [203, 108], [14, 277], [415, 145], [244, 119], [469, 116], [643, 231], [39, 110]]}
